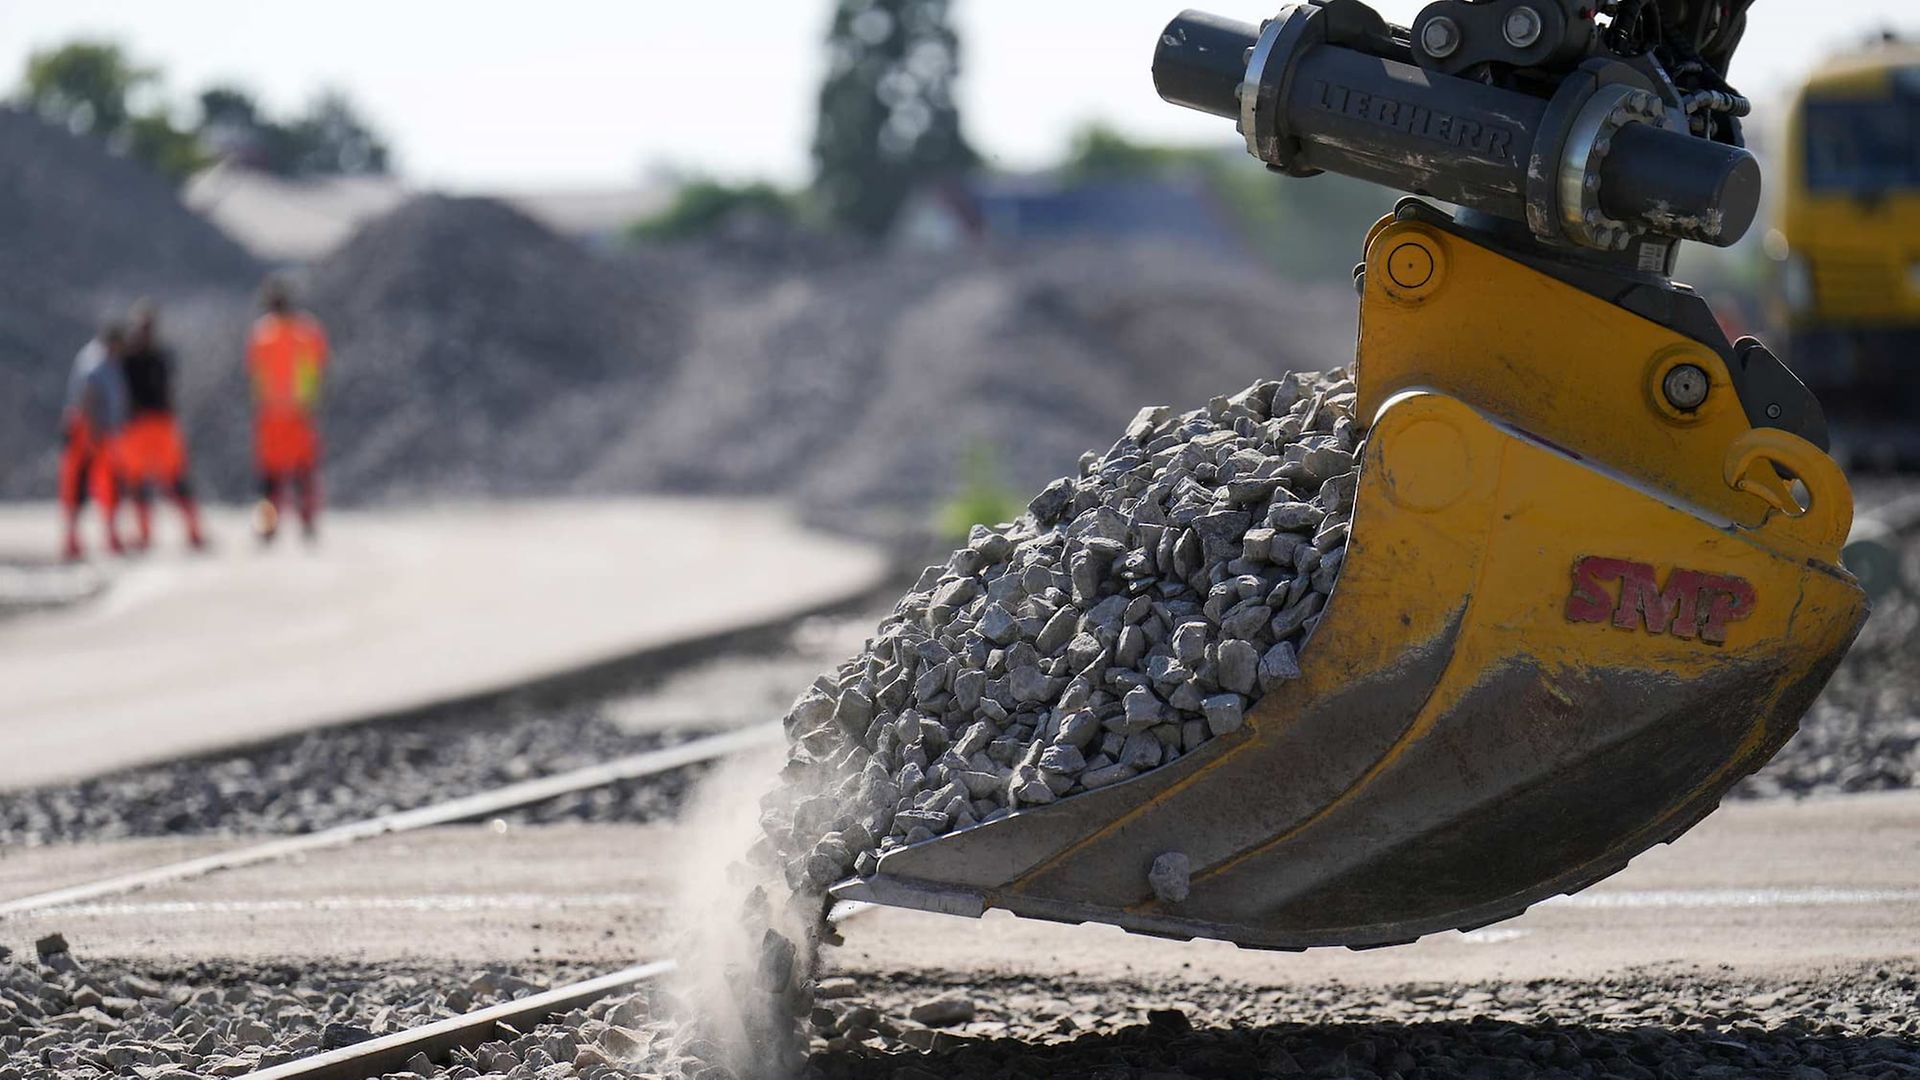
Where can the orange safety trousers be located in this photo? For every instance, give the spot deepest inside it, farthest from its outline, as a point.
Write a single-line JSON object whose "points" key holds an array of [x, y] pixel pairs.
{"points": [[88, 467], [285, 442], [152, 451]]}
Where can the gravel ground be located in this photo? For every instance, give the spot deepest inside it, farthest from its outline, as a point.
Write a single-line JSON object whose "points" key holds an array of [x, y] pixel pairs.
{"points": [[926, 1026], [335, 775], [329, 777], [62, 1017], [1643, 1025], [1863, 734]]}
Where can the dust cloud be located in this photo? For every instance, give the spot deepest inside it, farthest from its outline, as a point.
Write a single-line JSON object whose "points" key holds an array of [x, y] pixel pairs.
{"points": [[744, 940]]}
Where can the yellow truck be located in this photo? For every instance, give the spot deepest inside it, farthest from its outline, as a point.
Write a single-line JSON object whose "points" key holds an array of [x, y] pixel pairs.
{"points": [[1850, 221]]}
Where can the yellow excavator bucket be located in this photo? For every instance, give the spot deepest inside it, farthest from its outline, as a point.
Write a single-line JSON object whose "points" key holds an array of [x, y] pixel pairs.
{"points": [[1570, 618], [1592, 575]]}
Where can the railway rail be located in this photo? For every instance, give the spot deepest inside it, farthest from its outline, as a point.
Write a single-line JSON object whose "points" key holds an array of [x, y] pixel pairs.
{"points": [[390, 1053], [466, 808]]}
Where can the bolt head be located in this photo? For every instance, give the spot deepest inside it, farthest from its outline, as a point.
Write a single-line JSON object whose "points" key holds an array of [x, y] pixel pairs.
{"points": [[1440, 38], [1685, 386], [1522, 27]]}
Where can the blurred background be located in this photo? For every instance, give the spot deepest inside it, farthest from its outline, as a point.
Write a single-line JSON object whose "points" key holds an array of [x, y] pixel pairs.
{"points": [[898, 259], [667, 337]]}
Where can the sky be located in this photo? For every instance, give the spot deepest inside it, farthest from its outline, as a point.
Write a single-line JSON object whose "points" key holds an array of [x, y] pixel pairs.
{"points": [[568, 94]]}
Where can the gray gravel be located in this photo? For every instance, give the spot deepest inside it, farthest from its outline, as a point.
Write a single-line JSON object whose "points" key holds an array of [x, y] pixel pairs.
{"points": [[335, 775], [1851, 1023], [1134, 613], [1863, 734], [86, 232], [859, 388], [62, 1017]]}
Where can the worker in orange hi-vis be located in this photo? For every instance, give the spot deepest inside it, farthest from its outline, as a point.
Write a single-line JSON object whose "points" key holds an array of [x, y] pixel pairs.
{"points": [[287, 359], [91, 423], [152, 452]]}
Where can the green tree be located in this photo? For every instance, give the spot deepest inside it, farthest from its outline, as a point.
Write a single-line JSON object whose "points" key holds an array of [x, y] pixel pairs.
{"points": [[90, 86], [231, 106], [332, 139], [701, 206], [84, 85], [153, 138], [887, 118], [329, 139]]}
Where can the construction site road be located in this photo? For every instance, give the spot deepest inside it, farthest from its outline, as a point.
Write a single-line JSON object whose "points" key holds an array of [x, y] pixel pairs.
{"points": [[1760, 887], [390, 611]]}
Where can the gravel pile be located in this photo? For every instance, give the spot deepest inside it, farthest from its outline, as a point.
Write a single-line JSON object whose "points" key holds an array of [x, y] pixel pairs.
{"points": [[86, 232], [77, 216], [482, 354], [859, 387], [477, 353], [1135, 612], [915, 1026], [62, 1019]]}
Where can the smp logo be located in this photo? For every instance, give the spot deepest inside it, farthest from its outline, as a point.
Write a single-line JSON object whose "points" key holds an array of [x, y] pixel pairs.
{"points": [[1694, 603]]}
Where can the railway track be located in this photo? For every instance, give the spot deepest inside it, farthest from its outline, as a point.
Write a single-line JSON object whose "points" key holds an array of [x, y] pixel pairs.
{"points": [[390, 1053], [438, 1039], [466, 808]]}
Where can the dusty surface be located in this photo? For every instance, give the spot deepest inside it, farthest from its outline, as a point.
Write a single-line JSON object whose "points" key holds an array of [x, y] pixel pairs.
{"points": [[468, 893], [390, 611], [1772, 886], [1764, 887], [26, 872]]}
